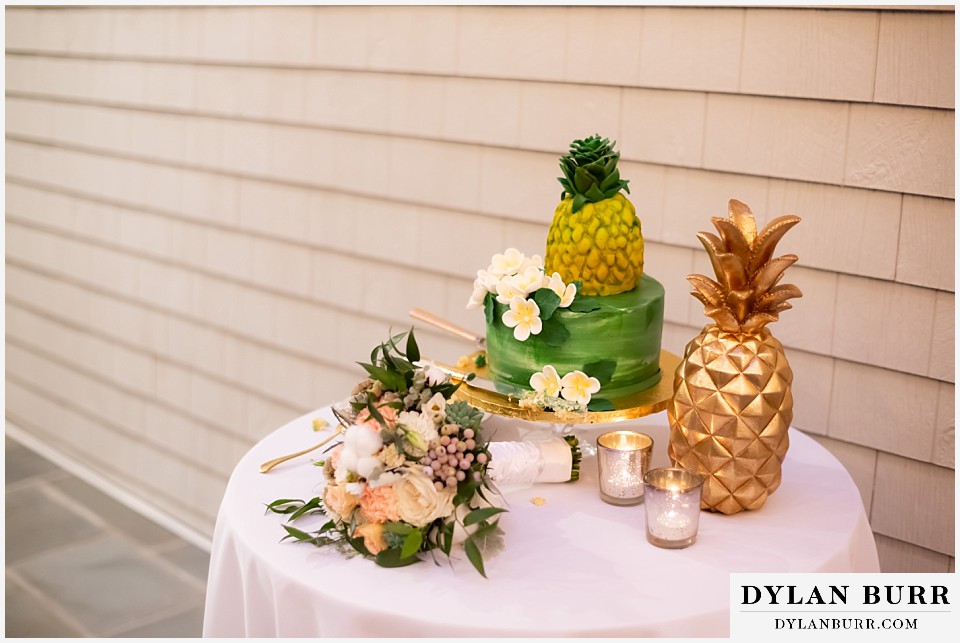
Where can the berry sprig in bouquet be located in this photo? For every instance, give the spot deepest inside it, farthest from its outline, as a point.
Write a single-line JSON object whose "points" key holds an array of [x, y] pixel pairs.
{"points": [[410, 471]]}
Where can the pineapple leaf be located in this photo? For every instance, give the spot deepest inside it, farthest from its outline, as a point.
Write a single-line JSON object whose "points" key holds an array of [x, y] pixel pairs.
{"points": [[703, 300], [733, 238], [709, 289], [776, 296], [594, 194], [743, 218], [757, 321], [724, 319], [768, 239], [714, 247], [613, 179], [739, 302], [583, 180], [771, 272], [732, 273], [578, 201]]}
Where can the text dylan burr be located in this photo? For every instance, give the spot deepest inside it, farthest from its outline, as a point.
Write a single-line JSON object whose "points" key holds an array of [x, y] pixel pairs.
{"points": [[837, 595]]}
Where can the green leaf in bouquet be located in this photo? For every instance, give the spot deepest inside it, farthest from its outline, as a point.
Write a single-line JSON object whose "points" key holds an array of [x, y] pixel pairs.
{"points": [[330, 525], [485, 529], [394, 558], [547, 301], [447, 534], [284, 505], [357, 543], [474, 555], [312, 504], [411, 544], [600, 404], [401, 528], [391, 380], [293, 532], [465, 491], [374, 413], [602, 370], [413, 351], [554, 333], [478, 515]]}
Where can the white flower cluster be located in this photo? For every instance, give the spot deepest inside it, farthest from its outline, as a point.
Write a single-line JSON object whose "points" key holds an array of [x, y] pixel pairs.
{"points": [[514, 278], [550, 389]]}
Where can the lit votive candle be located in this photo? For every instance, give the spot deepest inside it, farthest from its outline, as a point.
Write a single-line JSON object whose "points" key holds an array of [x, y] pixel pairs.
{"points": [[672, 505], [623, 458]]}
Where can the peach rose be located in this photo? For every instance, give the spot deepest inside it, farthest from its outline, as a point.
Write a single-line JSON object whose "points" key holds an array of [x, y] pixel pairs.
{"points": [[379, 504], [373, 540], [388, 413], [339, 501]]}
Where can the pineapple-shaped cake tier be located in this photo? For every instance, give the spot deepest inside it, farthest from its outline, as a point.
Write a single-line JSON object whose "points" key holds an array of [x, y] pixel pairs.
{"points": [[732, 402], [595, 235]]}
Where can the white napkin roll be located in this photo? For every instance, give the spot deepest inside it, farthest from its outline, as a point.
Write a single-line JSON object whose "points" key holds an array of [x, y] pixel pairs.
{"points": [[527, 463]]}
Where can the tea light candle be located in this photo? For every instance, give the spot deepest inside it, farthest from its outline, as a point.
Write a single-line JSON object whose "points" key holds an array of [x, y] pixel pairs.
{"points": [[672, 506], [623, 458]]}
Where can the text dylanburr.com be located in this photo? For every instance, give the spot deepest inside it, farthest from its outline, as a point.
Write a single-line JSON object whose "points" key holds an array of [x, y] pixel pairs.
{"points": [[844, 606]]}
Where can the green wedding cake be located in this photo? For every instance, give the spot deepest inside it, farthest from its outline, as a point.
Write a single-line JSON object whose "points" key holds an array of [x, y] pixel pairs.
{"points": [[582, 326]]}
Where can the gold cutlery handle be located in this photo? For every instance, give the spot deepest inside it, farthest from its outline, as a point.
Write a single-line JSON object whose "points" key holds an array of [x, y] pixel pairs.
{"points": [[270, 464], [448, 326]]}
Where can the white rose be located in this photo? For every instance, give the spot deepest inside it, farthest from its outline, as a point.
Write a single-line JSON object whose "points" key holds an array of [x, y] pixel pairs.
{"points": [[418, 501]]}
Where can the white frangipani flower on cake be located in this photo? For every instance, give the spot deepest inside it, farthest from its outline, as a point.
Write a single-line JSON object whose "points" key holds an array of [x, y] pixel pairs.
{"points": [[506, 264], [566, 292], [523, 317], [578, 387], [478, 296], [507, 290], [546, 382], [528, 281]]}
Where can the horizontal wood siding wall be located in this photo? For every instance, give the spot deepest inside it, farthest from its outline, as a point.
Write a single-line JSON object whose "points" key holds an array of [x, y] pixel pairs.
{"points": [[212, 213]]}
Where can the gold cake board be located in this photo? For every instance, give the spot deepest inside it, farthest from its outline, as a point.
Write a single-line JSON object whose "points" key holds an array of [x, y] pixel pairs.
{"points": [[652, 400]]}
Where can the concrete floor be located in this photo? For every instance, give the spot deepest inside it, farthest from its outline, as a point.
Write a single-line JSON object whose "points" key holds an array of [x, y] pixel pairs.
{"points": [[80, 564]]}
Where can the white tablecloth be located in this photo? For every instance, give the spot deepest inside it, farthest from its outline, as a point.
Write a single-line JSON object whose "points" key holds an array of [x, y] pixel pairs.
{"points": [[574, 566]]}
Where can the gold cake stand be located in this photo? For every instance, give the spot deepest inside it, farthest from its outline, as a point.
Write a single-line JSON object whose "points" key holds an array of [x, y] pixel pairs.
{"points": [[652, 400]]}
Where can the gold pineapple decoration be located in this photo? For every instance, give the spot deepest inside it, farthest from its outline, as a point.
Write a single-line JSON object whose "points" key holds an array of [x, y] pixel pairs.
{"points": [[595, 235], [732, 403]]}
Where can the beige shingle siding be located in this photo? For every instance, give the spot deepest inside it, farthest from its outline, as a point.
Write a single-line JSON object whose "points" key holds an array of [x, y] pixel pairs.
{"points": [[212, 213]]}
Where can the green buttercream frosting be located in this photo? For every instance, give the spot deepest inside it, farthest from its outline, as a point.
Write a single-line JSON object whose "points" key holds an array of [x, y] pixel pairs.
{"points": [[625, 327]]}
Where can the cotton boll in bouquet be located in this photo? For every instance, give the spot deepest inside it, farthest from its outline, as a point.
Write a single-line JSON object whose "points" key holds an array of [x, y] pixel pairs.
{"points": [[410, 475]]}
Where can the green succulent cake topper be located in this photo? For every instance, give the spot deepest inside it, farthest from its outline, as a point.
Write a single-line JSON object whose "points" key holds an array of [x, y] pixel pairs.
{"points": [[590, 172]]}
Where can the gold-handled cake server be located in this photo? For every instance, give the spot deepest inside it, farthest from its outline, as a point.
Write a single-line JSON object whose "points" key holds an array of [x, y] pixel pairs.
{"points": [[448, 326], [270, 464]]}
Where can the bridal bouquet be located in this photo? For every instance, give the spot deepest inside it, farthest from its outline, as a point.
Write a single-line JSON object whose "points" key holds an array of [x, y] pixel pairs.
{"points": [[410, 471]]}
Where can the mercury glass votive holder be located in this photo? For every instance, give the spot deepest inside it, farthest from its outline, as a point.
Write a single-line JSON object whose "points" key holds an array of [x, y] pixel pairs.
{"points": [[672, 505], [623, 457]]}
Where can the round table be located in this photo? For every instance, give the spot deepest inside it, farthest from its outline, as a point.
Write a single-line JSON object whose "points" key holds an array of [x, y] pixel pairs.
{"points": [[574, 566]]}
